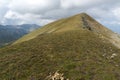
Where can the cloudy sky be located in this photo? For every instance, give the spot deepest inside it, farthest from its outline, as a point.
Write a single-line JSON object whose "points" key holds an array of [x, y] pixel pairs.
{"points": [[44, 11]]}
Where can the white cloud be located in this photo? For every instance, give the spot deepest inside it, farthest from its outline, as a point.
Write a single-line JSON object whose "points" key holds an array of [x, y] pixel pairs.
{"points": [[15, 15], [33, 6], [3, 8], [116, 12], [17, 18], [4, 2], [78, 3], [28, 11]]}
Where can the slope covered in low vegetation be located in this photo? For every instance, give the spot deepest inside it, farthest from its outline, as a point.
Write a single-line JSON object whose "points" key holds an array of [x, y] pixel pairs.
{"points": [[79, 53], [75, 53]]}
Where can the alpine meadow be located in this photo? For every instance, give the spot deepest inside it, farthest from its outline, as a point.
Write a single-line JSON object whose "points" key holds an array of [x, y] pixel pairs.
{"points": [[73, 48]]}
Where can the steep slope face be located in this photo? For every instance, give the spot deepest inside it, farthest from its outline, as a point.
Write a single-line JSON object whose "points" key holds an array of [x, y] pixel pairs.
{"points": [[73, 46], [77, 22]]}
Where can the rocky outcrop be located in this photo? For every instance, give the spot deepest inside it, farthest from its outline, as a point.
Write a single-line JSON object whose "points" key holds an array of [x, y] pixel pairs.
{"points": [[56, 76], [86, 24]]}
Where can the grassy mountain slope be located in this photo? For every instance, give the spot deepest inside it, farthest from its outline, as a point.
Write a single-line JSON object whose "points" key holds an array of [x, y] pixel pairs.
{"points": [[75, 53], [75, 50], [77, 22]]}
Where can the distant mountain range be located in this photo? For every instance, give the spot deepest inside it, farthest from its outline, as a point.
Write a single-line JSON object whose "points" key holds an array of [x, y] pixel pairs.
{"points": [[10, 33]]}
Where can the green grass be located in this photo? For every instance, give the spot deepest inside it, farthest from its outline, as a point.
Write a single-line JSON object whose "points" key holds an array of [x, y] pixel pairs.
{"points": [[77, 54], [77, 22], [67, 24], [66, 45]]}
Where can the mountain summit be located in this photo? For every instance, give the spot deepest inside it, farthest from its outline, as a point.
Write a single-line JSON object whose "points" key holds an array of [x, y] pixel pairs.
{"points": [[78, 22], [74, 48]]}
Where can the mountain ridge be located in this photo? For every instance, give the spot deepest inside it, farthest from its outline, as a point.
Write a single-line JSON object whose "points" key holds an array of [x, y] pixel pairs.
{"points": [[77, 52], [76, 22]]}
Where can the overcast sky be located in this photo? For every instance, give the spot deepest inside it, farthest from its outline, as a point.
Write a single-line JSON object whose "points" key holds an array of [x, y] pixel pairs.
{"points": [[44, 11]]}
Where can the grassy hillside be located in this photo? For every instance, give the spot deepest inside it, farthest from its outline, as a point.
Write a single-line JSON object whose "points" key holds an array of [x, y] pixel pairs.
{"points": [[71, 23], [80, 55], [78, 50], [77, 22]]}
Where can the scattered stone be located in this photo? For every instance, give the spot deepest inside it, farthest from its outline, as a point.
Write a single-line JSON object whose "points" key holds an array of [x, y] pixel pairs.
{"points": [[86, 24], [116, 65], [56, 76], [113, 55], [104, 55]]}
